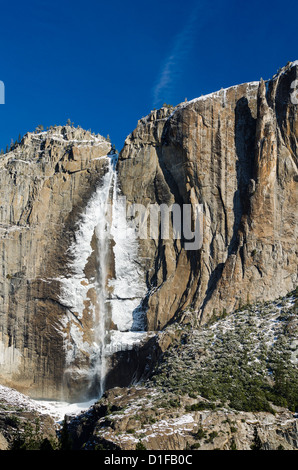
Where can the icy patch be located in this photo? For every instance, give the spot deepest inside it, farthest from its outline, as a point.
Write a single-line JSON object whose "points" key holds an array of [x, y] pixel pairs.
{"points": [[101, 158], [128, 286], [15, 398], [123, 341], [93, 139], [57, 410], [74, 288], [171, 426], [220, 93]]}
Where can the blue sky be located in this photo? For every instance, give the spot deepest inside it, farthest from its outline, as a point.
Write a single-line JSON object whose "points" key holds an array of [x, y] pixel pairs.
{"points": [[104, 65]]}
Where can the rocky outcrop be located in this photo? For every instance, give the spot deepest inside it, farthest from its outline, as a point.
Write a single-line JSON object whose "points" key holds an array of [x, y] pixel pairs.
{"points": [[231, 384], [135, 419], [234, 152], [24, 424], [228, 385]]}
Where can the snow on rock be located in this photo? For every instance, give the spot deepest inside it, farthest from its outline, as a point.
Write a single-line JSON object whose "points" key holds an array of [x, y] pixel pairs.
{"points": [[55, 409]]}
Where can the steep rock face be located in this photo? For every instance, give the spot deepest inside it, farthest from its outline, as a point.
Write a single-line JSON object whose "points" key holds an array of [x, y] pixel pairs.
{"points": [[44, 184], [234, 152]]}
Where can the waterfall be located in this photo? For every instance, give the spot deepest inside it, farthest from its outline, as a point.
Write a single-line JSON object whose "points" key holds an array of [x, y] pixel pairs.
{"points": [[103, 235], [118, 284]]}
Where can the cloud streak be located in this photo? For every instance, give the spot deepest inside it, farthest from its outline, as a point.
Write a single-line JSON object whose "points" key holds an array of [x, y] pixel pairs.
{"points": [[171, 69]]}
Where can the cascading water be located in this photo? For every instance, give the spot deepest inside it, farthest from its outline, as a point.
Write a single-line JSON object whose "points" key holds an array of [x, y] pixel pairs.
{"points": [[102, 232], [118, 284]]}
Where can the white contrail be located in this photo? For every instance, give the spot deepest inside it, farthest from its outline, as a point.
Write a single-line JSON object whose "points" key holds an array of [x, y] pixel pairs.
{"points": [[181, 48]]}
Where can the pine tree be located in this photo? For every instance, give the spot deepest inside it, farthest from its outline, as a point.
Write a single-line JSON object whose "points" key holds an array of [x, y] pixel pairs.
{"points": [[65, 441], [257, 443]]}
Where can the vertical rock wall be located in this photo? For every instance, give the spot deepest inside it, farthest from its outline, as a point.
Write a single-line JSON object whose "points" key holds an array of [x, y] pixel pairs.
{"points": [[235, 152], [45, 182]]}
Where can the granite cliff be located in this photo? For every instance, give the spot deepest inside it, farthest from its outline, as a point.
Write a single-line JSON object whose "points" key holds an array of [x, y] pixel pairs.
{"points": [[233, 151], [45, 180]]}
